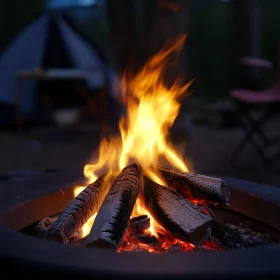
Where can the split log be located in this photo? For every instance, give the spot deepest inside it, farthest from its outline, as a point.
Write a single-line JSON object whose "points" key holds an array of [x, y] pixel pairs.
{"points": [[178, 216], [113, 217], [197, 186], [81, 208], [138, 224]]}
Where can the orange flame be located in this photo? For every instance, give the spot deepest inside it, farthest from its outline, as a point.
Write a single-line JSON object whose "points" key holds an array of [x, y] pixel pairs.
{"points": [[152, 108]]}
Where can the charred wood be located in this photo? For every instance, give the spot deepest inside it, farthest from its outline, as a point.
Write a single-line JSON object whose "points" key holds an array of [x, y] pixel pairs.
{"points": [[138, 224], [178, 216], [163, 236], [81, 208], [226, 236], [149, 240], [197, 186], [76, 236], [176, 248], [113, 217], [44, 224], [80, 242], [138, 247]]}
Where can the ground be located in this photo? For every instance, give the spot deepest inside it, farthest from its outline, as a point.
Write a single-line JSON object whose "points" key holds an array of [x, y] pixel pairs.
{"points": [[208, 150]]}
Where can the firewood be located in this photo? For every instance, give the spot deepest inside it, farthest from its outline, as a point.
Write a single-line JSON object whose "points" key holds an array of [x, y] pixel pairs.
{"points": [[44, 224], [149, 240], [113, 217], [226, 236], [81, 208], [197, 186], [180, 218], [138, 224]]}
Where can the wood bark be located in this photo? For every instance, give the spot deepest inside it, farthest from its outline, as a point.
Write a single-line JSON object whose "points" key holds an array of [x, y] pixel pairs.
{"points": [[197, 186], [178, 216], [81, 208], [113, 217]]}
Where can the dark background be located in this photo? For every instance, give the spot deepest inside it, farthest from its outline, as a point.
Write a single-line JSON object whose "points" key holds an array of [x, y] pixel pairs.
{"points": [[207, 129]]}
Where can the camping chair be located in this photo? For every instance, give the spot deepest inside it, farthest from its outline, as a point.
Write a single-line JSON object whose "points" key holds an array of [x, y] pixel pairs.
{"points": [[248, 100]]}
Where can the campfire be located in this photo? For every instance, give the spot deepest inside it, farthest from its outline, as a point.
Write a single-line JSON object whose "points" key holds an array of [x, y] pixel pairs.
{"points": [[131, 202]]}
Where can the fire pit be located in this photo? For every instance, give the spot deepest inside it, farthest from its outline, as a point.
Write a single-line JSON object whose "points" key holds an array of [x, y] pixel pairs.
{"points": [[26, 201], [178, 221]]}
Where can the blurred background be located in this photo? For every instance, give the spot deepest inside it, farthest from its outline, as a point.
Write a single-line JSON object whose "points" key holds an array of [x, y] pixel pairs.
{"points": [[60, 60]]}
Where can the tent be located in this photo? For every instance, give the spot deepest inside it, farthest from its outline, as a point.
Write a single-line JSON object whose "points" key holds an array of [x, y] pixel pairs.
{"points": [[50, 41]]}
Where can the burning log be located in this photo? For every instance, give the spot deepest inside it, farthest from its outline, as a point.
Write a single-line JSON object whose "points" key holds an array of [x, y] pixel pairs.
{"points": [[138, 224], [81, 208], [149, 240], [197, 186], [113, 217], [180, 218]]}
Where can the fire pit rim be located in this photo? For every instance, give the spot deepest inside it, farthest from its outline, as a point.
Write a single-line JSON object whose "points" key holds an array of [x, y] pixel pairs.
{"points": [[19, 248], [23, 249]]}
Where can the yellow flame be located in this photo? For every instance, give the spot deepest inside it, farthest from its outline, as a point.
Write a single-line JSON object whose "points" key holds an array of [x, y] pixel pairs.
{"points": [[77, 190], [151, 108], [87, 226], [138, 210]]}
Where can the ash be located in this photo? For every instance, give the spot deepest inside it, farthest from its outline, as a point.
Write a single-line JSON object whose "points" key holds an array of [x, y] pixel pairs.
{"points": [[250, 238]]}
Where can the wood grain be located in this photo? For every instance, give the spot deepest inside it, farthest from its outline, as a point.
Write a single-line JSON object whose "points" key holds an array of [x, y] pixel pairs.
{"points": [[197, 186], [178, 216], [113, 217], [81, 208]]}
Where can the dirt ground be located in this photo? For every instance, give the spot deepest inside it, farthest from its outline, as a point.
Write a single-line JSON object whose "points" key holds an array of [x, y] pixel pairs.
{"points": [[207, 149]]}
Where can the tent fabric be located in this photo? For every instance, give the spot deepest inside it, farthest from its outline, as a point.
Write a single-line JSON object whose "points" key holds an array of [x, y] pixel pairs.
{"points": [[25, 52], [50, 41]]}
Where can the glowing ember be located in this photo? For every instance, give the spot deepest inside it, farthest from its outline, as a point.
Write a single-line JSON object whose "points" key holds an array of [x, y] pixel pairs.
{"points": [[151, 108]]}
